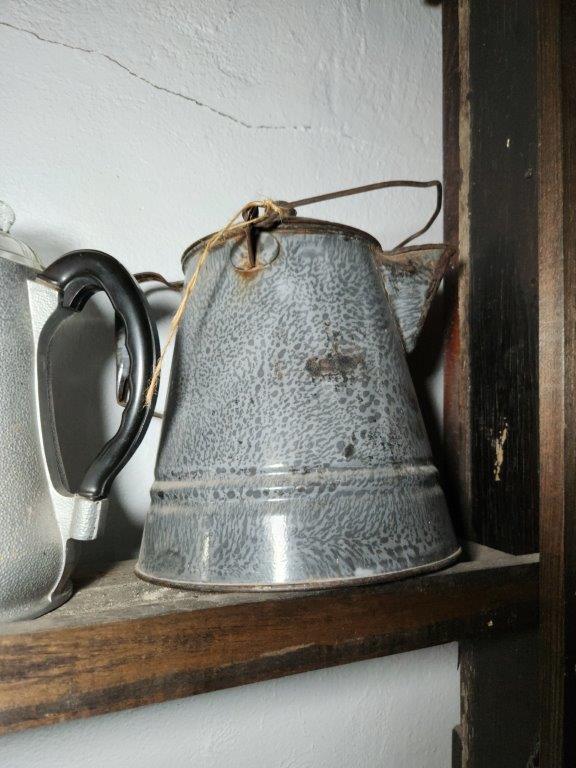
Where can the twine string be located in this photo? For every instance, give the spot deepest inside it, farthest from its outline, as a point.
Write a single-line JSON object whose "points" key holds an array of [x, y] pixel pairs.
{"points": [[271, 210]]}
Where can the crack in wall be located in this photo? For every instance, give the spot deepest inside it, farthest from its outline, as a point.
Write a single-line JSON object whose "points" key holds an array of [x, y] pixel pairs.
{"points": [[319, 129], [163, 89]]}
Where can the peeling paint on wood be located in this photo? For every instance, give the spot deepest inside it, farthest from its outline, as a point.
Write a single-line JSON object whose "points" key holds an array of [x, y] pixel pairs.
{"points": [[499, 443]]}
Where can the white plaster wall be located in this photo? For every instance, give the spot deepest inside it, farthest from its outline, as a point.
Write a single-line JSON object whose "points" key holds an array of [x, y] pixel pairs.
{"points": [[135, 127]]}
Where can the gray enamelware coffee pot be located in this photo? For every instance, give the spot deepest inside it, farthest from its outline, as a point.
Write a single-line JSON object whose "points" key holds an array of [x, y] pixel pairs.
{"points": [[293, 453], [40, 518]]}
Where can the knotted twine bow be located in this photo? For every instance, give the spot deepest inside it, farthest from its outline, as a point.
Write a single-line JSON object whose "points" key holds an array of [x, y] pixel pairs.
{"points": [[272, 210]]}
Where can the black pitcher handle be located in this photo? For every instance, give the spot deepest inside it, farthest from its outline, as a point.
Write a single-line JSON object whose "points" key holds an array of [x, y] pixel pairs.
{"points": [[78, 275]]}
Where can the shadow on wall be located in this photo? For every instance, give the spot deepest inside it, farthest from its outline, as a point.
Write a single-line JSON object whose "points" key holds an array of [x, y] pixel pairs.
{"points": [[86, 418], [424, 362], [87, 415]]}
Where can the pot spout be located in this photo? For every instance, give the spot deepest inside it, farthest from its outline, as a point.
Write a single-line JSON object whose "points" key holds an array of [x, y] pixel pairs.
{"points": [[411, 277]]}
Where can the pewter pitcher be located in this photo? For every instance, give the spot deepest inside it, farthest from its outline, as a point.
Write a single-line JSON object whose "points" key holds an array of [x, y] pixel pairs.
{"points": [[293, 453], [40, 518]]}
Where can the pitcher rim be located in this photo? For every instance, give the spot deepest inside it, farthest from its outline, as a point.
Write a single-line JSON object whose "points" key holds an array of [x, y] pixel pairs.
{"points": [[303, 225]]}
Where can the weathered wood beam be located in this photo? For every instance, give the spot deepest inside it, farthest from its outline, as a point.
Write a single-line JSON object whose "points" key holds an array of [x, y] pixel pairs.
{"points": [[557, 280]]}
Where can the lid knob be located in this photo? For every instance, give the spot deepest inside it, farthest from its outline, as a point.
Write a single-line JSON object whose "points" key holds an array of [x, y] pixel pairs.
{"points": [[10, 247], [7, 217]]}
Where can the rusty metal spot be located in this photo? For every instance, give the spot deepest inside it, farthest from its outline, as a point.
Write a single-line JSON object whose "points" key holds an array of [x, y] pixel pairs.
{"points": [[267, 250], [341, 364], [247, 272]]}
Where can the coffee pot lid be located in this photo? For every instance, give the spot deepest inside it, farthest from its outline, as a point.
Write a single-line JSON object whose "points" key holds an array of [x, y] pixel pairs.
{"points": [[10, 247], [281, 214]]}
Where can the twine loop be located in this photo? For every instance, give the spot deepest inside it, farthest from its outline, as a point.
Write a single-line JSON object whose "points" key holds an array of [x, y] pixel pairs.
{"points": [[272, 213]]}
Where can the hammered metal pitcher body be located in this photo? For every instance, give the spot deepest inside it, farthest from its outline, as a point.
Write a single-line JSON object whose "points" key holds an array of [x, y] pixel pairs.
{"points": [[41, 519], [32, 563], [293, 452]]}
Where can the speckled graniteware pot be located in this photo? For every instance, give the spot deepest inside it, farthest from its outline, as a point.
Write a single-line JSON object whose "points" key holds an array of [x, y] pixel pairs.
{"points": [[293, 453]]}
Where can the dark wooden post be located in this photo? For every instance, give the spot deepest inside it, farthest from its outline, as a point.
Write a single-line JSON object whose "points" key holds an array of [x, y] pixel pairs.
{"points": [[510, 72], [491, 364], [491, 373], [499, 690]]}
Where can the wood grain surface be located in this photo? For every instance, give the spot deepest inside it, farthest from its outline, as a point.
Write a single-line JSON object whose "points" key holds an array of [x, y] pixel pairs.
{"points": [[122, 643]]}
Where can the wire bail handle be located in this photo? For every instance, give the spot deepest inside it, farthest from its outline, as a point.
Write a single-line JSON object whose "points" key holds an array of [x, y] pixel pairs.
{"points": [[290, 208]]}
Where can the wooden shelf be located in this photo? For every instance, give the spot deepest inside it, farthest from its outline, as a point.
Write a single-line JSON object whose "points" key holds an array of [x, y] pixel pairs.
{"points": [[121, 643]]}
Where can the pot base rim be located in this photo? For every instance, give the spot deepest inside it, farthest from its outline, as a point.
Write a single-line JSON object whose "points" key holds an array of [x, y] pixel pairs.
{"points": [[303, 586]]}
